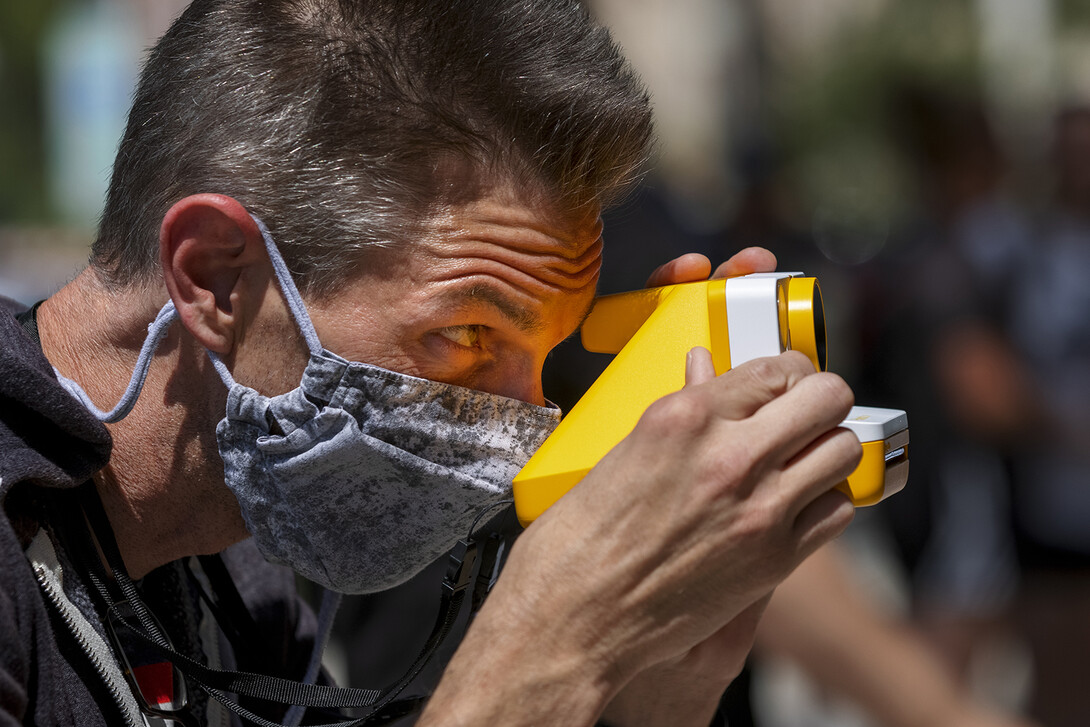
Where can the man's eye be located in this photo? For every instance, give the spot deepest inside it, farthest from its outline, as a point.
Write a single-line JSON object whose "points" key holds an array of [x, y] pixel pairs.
{"points": [[467, 336]]}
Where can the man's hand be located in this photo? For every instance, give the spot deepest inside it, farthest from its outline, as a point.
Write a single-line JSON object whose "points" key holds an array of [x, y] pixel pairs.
{"points": [[686, 690], [663, 555], [721, 490]]}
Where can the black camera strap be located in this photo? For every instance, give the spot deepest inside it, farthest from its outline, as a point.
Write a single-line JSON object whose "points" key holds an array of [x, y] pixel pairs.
{"points": [[463, 572]]}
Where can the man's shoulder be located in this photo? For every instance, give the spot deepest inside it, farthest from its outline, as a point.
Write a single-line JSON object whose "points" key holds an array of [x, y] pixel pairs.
{"points": [[45, 434], [20, 598], [10, 307]]}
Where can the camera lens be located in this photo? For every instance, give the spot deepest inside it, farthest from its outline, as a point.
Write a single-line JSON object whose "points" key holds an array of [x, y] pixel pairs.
{"points": [[820, 345]]}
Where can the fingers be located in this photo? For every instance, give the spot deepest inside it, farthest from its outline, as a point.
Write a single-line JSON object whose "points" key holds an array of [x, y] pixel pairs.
{"points": [[692, 267], [699, 366], [792, 415], [821, 466], [822, 519], [743, 391], [811, 407], [734, 396], [750, 260], [789, 406], [685, 269]]}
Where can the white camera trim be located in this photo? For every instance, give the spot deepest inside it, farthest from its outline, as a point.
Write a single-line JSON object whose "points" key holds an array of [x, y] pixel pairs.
{"points": [[753, 316]]}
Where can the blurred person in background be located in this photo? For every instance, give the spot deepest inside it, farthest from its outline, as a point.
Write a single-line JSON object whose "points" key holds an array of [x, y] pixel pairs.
{"points": [[934, 340], [854, 649], [1049, 330], [984, 337]]}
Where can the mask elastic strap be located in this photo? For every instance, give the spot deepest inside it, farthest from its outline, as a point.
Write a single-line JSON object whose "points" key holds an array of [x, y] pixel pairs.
{"points": [[291, 293], [291, 297], [157, 330]]}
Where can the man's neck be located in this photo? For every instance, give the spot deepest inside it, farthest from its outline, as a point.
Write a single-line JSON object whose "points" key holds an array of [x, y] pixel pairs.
{"points": [[163, 489]]}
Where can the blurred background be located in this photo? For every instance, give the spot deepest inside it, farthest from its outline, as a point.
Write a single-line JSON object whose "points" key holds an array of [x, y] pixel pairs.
{"points": [[67, 72], [928, 160]]}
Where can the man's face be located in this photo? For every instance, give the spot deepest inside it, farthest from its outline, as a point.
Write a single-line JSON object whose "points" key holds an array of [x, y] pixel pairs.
{"points": [[478, 301]]}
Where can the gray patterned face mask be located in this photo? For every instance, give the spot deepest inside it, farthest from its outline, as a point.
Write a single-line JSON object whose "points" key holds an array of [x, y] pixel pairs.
{"points": [[360, 477]]}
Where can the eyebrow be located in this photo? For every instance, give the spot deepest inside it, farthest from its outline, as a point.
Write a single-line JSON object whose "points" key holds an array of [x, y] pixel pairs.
{"points": [[523, 319]]}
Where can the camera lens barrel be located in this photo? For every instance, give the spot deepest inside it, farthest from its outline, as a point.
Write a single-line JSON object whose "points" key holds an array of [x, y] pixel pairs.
{"points": [[806, 320]]}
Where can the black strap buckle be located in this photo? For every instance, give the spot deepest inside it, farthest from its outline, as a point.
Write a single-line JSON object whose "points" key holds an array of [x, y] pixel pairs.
{"points": [[462, 566]]}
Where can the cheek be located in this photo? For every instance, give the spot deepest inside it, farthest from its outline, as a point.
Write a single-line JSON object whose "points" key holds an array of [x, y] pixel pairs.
{"points": [[374, 336], [271, 355], [270, 370], [422, 355]]}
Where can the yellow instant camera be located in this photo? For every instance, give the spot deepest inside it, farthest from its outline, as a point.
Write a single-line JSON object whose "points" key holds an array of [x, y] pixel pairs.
{"points": [[652, 330]]}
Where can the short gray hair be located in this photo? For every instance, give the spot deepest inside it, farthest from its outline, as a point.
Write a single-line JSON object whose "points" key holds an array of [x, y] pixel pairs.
{"points": [[336, 121]]}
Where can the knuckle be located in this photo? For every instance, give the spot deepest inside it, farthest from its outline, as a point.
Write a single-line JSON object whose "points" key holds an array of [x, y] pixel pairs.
{"points": [[848, 446], [834, 390], [768, 373], [779, 373], [677, 414], [797, 362], [726, 469], [730, 465], [769, 524]]}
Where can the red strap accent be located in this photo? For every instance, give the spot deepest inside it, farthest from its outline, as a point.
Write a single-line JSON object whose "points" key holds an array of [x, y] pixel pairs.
{"points": [[156, 682]]}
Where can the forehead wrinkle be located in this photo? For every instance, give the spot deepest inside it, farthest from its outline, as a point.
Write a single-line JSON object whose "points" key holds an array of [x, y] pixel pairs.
{"points": [[523, 270], [533, 268], [529, 240], [528, 230]]}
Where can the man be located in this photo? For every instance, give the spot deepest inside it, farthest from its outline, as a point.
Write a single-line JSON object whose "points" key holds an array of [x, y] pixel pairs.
{"points": [[432, 174]]}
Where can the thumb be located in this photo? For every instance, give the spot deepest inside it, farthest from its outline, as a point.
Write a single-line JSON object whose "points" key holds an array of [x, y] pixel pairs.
{"points": [[699, 366]]}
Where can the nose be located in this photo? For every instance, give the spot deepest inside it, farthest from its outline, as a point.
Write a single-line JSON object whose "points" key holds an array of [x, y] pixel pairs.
{"points": [[524, 388], [514, 380]]}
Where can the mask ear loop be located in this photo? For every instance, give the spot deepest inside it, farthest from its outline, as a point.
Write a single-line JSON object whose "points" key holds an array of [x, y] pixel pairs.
{"points": [[291, 292], [291, 296], [157, 330]]}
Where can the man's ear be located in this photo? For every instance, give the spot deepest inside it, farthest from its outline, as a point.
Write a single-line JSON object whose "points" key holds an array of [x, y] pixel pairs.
{"points": [[207, 244]]}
